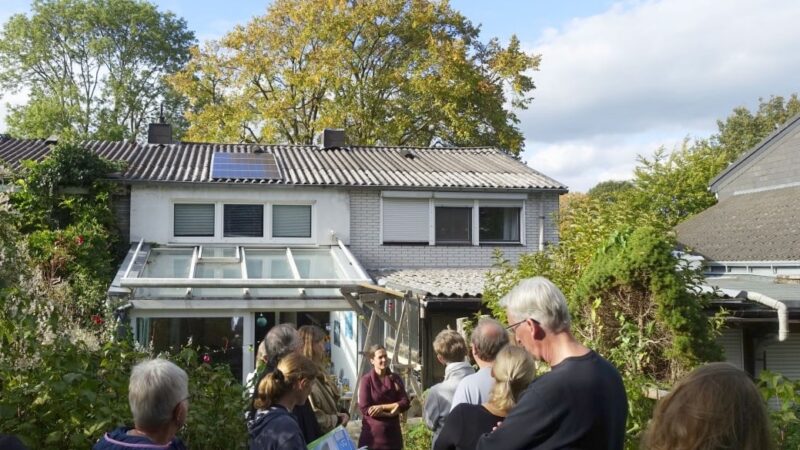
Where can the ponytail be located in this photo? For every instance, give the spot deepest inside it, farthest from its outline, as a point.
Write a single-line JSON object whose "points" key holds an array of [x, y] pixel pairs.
{"points": [[513, 371], [282, 380]]}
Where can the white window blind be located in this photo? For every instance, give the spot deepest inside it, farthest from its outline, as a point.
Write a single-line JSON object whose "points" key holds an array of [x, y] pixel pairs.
{"points": [[193, 219], [291, 221], [405, 220]]}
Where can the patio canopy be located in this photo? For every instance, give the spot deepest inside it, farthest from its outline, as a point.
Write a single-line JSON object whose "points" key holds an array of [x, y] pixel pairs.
{"points": [[236, 272]]}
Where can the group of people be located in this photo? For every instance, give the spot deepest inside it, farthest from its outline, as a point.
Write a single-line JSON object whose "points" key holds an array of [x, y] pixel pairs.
{"points": [[580, 403]]}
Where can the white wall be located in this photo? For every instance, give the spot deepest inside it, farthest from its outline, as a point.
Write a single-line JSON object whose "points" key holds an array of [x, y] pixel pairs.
{"points": [[152, 215], [345, 355]]}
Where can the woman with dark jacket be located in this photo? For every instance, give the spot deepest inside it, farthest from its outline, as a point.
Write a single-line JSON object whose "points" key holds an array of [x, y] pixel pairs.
{"points": [[275, 428], [381, 398]]}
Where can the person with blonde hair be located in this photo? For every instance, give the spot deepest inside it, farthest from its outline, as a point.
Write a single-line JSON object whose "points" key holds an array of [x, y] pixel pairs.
{"points": [[451, 350], [715, 407], [278, 393], [513, 371], [324, 398]]}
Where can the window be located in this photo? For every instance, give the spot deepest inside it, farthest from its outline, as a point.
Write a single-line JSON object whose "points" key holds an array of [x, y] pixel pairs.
{"points": [[291, 221], [453, 225], [499, 225], [406, 220], [193, 219], [243, 221]]}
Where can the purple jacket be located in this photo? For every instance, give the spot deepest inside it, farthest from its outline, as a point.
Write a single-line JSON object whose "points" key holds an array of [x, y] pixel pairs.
{"points": [[381, 433]]}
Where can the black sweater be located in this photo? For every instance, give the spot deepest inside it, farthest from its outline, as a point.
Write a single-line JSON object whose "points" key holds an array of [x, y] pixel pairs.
{"points": [[464, 426], [579, 404]]}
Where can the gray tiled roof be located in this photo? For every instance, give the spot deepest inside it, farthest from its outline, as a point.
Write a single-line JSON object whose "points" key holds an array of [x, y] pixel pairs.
{"points": [[476, 167], [784, 129], [761, 226], [436, 282]]}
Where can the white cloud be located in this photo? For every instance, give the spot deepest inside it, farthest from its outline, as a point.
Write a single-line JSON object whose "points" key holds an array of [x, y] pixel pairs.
{"points": [[582, 163], [666, 68]]}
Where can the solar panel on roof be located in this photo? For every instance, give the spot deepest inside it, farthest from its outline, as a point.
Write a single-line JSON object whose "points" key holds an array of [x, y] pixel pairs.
{"points": [[252, 166]]}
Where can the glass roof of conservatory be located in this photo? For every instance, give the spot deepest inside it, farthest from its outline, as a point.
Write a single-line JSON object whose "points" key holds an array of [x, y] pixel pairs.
{"points": [[234, 271]]}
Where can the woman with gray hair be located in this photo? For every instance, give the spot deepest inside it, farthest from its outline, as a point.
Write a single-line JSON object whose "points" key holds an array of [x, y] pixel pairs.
{"points": [[158, 394]]}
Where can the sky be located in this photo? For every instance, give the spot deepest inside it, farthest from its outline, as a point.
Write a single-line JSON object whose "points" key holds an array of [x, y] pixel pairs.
{"points": [[617, 79]]}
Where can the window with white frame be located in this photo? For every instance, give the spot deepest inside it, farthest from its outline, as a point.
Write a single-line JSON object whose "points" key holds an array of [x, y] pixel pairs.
{"points": [[453, 225], [291, 221], [406, 220], [498, 225], [243, 221], [452, 220], [193, 219]]}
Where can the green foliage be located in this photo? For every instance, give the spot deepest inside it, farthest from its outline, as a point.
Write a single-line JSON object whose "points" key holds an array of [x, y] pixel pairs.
{"points": [[609, 190], [783, 396], [417, 436], [94, 68], [396, 72], [63, 203], [652, 325]]}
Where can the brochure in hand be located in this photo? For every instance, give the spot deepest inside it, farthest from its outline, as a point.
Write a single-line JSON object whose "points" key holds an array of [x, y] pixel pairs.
{"points": [[336, 439]]}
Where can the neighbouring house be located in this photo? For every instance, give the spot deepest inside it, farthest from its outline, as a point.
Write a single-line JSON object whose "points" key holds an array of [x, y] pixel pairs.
{"points": [[227, 240], [750, 244]]}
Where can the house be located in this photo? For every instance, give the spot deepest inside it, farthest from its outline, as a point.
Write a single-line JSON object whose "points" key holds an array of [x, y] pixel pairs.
{"points": [[227, 240], [750, 243]]}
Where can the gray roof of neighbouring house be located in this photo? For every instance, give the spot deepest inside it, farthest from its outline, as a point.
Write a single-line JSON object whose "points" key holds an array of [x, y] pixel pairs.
{"points": [[788, 293], [392, 167], [435, 282], [765, 143], [761, 226]]}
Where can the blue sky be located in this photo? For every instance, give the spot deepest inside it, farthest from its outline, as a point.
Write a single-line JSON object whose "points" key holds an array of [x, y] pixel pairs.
{"points": [[617, 79]]}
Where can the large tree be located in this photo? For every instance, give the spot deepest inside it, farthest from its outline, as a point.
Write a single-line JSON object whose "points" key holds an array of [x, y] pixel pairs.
{"points": [[93, 68], [405, 72]]}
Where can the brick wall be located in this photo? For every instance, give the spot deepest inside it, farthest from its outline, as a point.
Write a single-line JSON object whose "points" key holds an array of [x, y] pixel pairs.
{"points": [[365, 244]]}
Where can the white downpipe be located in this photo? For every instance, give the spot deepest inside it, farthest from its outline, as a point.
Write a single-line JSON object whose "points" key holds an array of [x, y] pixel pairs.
{"points": [[783, 314]]}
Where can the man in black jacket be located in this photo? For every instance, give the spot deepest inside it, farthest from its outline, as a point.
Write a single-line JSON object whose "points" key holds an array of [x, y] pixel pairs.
{"points": [[580, 403]]}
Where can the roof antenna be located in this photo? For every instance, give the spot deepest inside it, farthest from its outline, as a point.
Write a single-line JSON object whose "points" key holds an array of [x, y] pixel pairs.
{"points": [[161, 115]]}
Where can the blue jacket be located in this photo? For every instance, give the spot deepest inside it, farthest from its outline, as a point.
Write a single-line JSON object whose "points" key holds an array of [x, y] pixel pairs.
{"points": [[276, 429], [119, 439]]}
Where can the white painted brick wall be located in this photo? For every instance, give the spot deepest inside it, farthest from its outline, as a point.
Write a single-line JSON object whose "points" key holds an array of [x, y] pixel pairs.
{"points": [[365, 237]]}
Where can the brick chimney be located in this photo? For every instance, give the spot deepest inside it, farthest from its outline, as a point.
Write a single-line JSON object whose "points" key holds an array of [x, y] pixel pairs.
{"points": [[161, 132], [331, 138]]}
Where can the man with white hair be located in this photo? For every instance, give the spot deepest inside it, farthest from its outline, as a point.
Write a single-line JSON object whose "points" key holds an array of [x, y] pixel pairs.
{"points": [[580, 403], [158, 394]]}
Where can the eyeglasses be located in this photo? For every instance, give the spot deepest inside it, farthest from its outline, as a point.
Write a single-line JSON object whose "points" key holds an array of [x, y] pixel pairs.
{"points": [[514, 326]]}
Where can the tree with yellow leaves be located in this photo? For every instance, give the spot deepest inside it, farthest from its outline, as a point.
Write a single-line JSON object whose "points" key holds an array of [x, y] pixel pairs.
{"points": [[390, 72]]}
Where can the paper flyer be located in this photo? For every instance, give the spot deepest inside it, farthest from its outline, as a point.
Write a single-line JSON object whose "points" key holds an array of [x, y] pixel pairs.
{"points": [[336, 439]]}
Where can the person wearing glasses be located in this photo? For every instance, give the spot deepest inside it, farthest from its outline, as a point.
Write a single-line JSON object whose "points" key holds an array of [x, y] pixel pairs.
{"points": [[158, 394], [580, 403]]}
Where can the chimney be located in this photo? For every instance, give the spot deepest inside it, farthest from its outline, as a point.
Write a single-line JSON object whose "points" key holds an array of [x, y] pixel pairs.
{"points": [[331, 138], [161, 132]]}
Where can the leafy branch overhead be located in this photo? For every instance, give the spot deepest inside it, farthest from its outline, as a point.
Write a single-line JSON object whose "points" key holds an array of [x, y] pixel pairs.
{"points": [[94, 68], [394, 72]]}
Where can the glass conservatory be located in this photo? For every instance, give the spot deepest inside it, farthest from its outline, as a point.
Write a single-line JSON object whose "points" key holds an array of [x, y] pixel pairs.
{"points": [[224, 298]]}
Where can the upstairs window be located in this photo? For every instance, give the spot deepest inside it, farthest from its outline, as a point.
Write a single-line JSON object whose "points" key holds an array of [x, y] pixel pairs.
{"points": [[406, 220], [243, 221], [193, 220], [499, 225], [453, 225], [291, 221]]}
